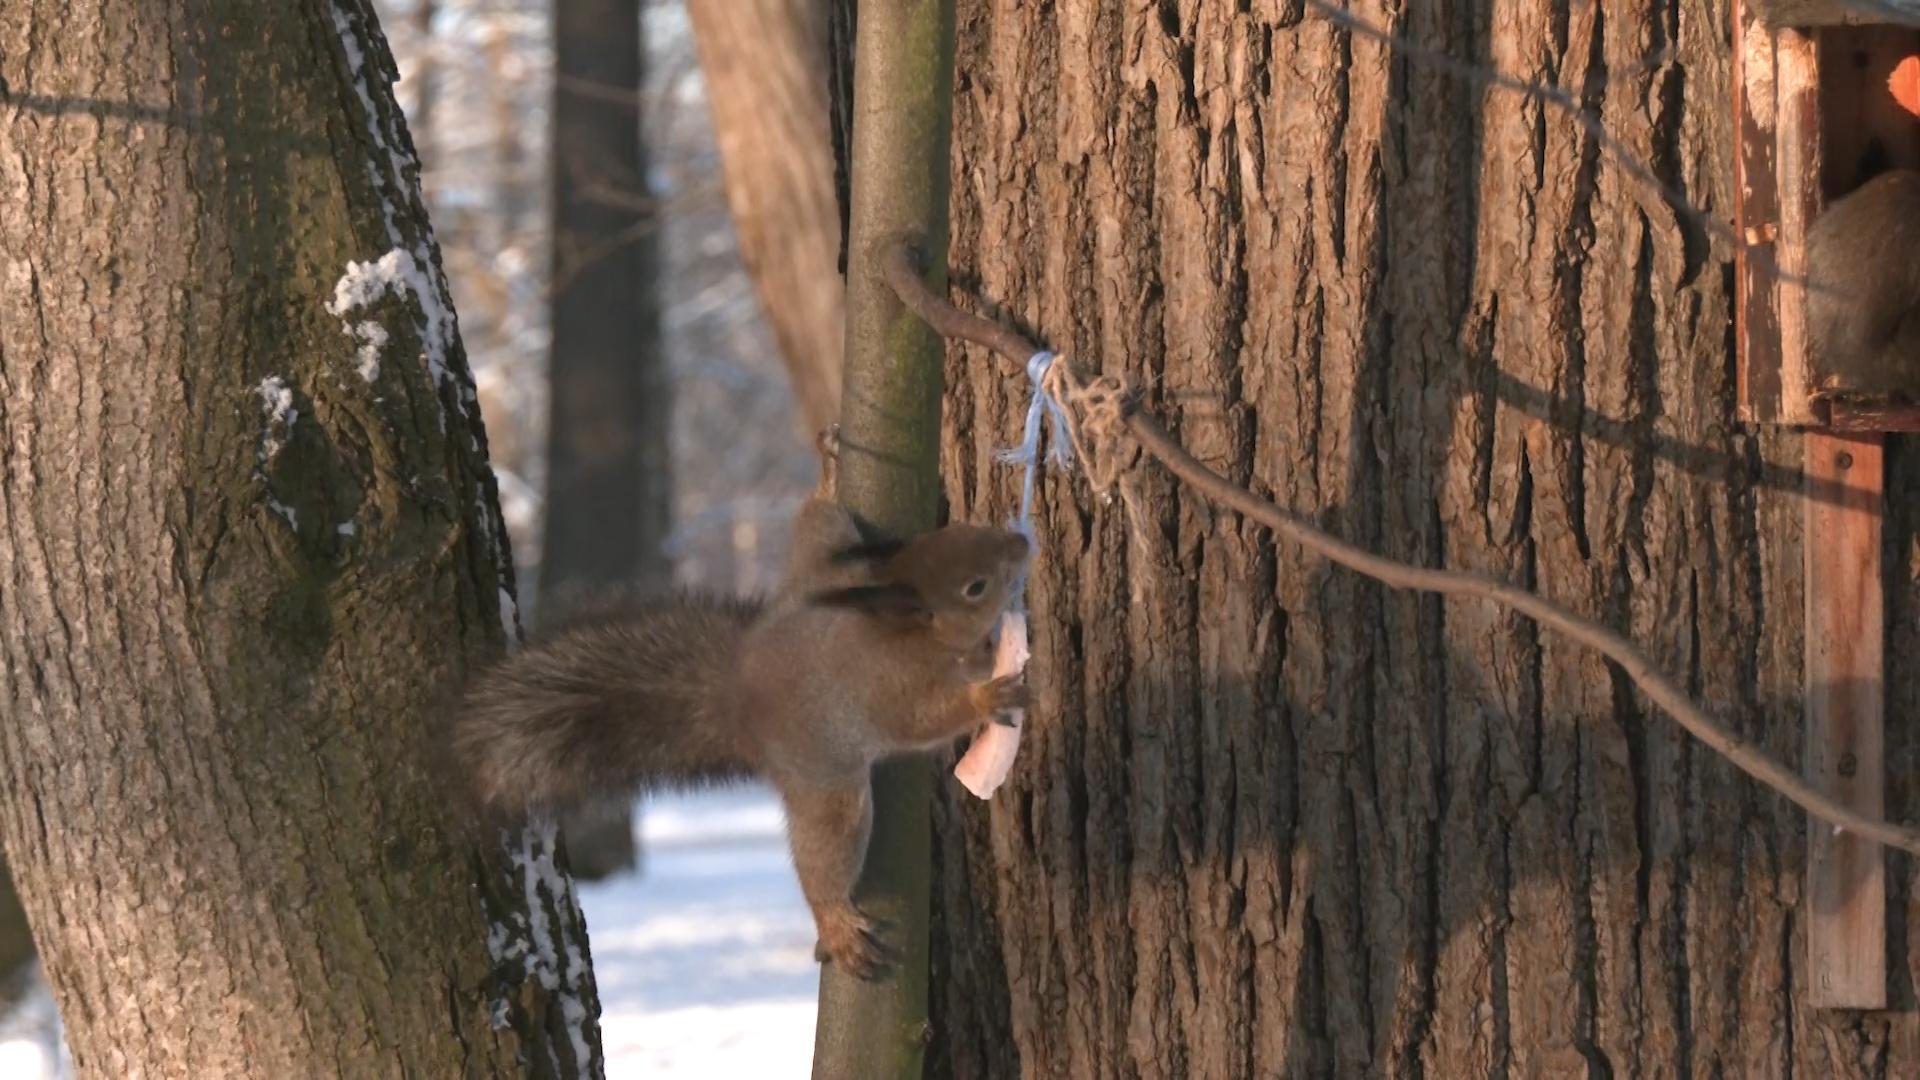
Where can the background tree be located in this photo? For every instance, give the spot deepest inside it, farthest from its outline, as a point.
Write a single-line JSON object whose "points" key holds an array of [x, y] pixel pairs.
{"points": [[17, 959], [247, 532], [608, 475], [765, 66], [1271, 819]]}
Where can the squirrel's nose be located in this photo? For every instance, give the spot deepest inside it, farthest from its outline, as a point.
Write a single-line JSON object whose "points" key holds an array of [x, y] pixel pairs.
{"points": [[1019, 545]]}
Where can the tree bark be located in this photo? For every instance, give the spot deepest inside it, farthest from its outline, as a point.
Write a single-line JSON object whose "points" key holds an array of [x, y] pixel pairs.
{"points": [[765, 65], [247, 534], [1270, 819], [609, 493]]}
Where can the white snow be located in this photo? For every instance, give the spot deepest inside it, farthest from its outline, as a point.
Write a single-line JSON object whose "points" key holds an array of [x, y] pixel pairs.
{"points": [[705, 962], [509, 617], [395, 274], [276, 400], [289, 513], [372, 337]]}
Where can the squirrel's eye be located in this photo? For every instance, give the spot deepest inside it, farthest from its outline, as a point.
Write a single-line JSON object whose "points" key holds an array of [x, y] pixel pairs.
{"points": [[976, 588]]}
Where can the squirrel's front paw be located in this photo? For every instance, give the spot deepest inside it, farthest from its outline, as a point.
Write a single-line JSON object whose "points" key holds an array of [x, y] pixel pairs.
{"points": [[1002, 695], [854, 942]]}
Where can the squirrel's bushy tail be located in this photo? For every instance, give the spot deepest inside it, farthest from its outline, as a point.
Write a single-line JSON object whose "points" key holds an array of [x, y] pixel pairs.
{"points": [[605, 707]]}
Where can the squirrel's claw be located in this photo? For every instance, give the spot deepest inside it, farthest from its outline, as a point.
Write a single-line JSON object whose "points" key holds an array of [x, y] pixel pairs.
{"points": [[856, 943], [1004, 694]]}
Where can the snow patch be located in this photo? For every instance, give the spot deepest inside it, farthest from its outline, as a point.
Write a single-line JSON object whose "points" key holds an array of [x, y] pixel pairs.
{"points": [[372, 337], [276, 399], [285, 511], [540, 875], [509, 616], [397, 274]]}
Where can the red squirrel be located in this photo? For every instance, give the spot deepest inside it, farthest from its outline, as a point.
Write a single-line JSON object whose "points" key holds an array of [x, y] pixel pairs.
{"points": [[866, 650]]}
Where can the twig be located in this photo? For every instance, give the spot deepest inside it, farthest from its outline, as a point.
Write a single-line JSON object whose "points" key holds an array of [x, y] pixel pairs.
{"points": [[904, 277]]}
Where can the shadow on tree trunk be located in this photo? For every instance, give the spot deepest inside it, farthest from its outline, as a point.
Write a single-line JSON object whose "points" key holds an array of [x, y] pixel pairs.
{"points": [[1270, 818]]}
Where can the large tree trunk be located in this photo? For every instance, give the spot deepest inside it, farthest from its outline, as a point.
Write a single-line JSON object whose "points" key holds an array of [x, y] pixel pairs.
{"points": [[247, 534], [765, 65], [1271, 819], [608, 490]]}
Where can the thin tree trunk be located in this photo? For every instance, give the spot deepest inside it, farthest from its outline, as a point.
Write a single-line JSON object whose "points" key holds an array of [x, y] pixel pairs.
{"points": [[765, 66], [1270, 819], [889, 448], [608, 475], [247, 536], [425, 78]]}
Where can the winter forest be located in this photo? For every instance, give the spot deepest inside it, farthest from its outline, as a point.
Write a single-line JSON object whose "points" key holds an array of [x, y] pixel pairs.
{"points": [[959, 538]]}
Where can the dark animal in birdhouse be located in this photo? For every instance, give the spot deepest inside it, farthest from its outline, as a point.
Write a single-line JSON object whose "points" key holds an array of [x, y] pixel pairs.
{"points": [[1863, 292]]}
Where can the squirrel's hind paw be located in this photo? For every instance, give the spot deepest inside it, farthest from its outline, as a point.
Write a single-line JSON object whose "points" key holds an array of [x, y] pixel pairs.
{"points": [[856, 943]]}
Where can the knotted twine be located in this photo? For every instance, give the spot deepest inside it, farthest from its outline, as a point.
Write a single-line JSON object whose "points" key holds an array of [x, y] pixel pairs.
{"points": [[987, 762]]}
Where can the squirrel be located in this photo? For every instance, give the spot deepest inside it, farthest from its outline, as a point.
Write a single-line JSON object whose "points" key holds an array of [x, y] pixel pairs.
{"points": [[866, 650], [1863, 290]]}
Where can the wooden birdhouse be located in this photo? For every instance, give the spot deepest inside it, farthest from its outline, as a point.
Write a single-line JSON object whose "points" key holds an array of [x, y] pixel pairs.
{"points": [[1822, 102], [1826, 98]]}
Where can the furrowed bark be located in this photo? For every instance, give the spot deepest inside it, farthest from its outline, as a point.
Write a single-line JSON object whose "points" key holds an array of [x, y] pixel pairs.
{"points": [[247, 536], [1270, 818]]}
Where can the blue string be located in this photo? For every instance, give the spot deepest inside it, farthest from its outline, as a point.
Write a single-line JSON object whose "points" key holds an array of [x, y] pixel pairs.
{"points": [[1060, 452]]}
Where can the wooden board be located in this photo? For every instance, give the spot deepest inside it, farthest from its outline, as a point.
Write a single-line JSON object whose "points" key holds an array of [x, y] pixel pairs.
{"points": [[1776, 106], [1756, 220], [1845, 711], [1797, 157]]}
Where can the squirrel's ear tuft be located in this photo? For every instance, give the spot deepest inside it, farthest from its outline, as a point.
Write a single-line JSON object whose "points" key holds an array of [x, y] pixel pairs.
{"points": [[893, 600], [868, 551]]}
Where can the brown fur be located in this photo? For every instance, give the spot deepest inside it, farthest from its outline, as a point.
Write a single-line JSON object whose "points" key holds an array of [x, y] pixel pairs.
{"points": [[1863, 291], [608, 706], [869, 650]]}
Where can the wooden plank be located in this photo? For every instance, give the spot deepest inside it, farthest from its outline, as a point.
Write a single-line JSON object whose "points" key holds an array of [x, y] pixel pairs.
{"points": [[1756, 220], [1797, 157], [1845, 711]]}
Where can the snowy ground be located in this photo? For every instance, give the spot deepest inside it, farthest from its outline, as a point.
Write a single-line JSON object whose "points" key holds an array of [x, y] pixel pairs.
{"points": [[705, 963]]}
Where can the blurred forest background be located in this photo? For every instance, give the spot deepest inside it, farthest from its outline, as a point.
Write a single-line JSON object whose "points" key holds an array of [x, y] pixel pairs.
{"points": [[704, 960], [739, 463]]}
